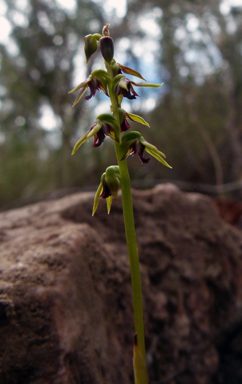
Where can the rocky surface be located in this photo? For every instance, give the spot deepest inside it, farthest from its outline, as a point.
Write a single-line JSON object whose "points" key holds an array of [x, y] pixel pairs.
{"points": [[65, 294]]}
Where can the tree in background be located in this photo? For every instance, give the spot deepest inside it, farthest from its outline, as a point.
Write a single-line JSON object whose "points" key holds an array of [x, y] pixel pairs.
{"points": [[198, 57]]}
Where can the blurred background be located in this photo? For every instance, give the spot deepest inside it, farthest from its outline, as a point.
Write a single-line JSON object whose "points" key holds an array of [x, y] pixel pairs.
{"points": [[194, 47]]}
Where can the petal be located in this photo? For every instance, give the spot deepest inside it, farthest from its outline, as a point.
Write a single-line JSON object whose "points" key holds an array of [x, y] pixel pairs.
{"points": [[132, 90], [141, 154], [109, 203], [158, 157], [99, 138], [79, 142], [80, 94], [128, 94], [81, 85], [137, 118], [106, 191], [94, 129], [124, 126], [147, 85], [97, 195]]}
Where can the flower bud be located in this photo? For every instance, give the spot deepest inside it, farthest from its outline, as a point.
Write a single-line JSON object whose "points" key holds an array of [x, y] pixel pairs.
{"points": [[107, 48], [105, 30], [112, 180], [90, 45]]}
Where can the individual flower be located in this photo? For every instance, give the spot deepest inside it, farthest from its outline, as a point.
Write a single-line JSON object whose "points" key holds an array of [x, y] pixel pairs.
{"points": [[100, 133], [123, 116], [108, 187], [125, 88], [105, 125], [133, 142], [96, 81]]}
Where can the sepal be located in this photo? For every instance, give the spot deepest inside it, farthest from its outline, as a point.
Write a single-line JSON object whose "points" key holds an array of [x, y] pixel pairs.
{"points": [[130, 71], [149, 85]]}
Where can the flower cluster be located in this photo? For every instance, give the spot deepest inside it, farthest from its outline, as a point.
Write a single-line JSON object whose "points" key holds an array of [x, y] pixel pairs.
{"points": [[114, 84]]}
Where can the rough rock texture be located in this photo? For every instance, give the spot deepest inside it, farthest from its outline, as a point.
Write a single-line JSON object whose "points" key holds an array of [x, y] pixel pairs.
{"points": [[65, 294]]}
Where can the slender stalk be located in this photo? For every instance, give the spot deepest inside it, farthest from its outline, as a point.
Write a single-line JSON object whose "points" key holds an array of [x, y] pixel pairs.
{"points": [[141, 376]]}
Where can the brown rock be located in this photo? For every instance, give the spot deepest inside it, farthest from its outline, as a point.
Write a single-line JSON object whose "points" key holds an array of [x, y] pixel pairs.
{"points": [[65, 294]]}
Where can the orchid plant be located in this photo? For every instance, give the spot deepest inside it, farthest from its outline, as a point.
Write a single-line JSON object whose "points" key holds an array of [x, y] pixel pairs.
{"points": [[115, 85]]}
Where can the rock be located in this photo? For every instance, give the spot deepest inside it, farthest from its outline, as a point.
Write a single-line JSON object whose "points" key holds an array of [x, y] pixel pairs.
{"points": [[65, 293]]}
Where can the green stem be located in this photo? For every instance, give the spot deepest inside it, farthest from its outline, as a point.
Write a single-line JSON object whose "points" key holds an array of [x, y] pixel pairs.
{"points": [[140, 375], [132, 250]]}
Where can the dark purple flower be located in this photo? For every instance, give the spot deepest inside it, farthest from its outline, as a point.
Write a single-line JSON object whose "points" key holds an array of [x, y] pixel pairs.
{"points": [[99, 136], [124, 125], [133, 142], [106, 190], [138, 147], [94, 86], [125, 88], [95, 82]]}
